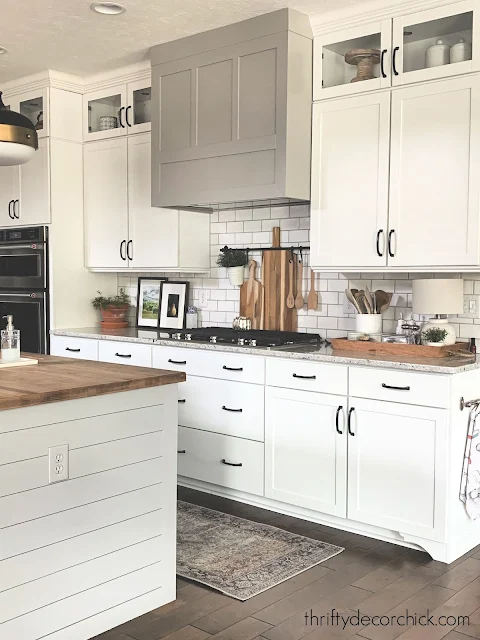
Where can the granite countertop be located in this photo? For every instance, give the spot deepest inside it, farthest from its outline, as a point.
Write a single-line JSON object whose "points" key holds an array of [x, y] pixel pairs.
{"points": [[454, 364], [55, 379]]}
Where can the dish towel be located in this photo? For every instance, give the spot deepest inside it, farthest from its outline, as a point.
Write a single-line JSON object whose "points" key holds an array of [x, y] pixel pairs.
{"points": [[470, 484]]}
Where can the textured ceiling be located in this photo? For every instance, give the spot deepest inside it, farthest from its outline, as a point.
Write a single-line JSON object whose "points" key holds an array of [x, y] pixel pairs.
{"points": [[66, 36]]}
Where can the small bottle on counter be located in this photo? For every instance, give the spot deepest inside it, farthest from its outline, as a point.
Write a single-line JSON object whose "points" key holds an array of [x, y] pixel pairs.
{"points": [[10, 342], [400, 322], [473, 347]]}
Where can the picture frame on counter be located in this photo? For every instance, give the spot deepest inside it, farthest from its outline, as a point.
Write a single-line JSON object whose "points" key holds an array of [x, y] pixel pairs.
{"points": [[148, 301], [173, 305]]}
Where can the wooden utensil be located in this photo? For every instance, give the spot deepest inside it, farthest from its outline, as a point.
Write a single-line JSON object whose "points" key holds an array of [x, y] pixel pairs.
{"points": [[383, 300], [299, 301], [252, 298], [290, 298], [312, 300], [351, 298], [275, 281], [369, 298]]}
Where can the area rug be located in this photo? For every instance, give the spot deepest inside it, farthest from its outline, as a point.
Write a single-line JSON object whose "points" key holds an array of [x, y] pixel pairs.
{"points": [[238, 557]]}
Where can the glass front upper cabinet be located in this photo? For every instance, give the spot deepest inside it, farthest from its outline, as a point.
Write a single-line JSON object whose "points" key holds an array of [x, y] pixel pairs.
{"points": [[105, 113], [434, 44], [34, 107], [139, 114]]}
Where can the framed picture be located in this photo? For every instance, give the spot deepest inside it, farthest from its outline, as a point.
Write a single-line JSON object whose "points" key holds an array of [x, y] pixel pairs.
{"points": [[148, 301], [173, 305]]}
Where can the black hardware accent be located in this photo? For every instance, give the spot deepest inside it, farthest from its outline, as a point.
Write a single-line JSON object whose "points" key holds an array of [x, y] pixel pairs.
{"points": [[177, 361], [10, 214], [382, 69], [247, 250], [123, 245], [129, 246], [182, 451], [232, 464], [295, 375], [120, 117], [394, 56], [349, 422], [123, 355], [182, 401], [232, 368], [72, 350], [336, 421], [379, 253], [387, 386], [390, 234], [232, 410], [15, 210], [126, 115]]}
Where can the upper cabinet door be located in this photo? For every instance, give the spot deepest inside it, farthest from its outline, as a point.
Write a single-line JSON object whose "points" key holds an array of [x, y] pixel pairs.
{"points": [[33, 205], [106, 204], [352, 61], [350, 158], [452, 31], [138, 114], [9, 195], [435, 163], [104, 113]]}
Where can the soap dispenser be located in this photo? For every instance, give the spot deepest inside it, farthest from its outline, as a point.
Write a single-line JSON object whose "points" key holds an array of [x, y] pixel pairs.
{"points": [[10, 342]]}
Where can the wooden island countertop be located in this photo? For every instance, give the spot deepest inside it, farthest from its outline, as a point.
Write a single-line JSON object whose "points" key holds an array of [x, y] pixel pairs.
{"points": [[55, 379]]}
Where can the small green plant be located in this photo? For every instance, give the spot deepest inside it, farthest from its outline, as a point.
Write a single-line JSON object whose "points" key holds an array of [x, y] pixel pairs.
{"points": [[434, 334], [232, 258], [119, 301]]}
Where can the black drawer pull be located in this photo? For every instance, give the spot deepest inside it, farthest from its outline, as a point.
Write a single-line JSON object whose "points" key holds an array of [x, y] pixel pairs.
{"points": [[182, 401], [72, 350], [337, 427], [231, 464], [295, 375], [387, 386], [182, 451], [349, 422], [232, 410], [177, 361], [123, 355], [232, 368]]}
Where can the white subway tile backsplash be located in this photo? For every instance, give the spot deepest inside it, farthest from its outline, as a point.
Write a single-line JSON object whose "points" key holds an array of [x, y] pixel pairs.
{"points": [[244, 215], [234, 227], [263, 213], [254, 225], [218, 227], [226, 216]]}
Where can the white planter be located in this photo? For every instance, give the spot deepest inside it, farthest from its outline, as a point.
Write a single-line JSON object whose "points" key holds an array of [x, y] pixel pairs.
{"points": [[368, 323], [236, 275]]}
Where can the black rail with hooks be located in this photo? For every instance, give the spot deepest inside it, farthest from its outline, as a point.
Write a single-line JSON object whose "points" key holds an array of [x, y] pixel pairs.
{"points": [[300, 250]]}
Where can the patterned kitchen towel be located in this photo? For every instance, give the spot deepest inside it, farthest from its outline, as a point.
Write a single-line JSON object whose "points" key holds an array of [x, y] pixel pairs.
{"points": [[470, 484]]}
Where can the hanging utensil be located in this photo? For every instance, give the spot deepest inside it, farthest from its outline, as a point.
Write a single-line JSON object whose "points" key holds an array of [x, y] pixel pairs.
{"points": [[312, 300], [299, 301], [290, 298]]}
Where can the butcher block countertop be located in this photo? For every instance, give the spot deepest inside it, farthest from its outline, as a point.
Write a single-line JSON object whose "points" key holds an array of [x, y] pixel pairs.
{"points": [[56, 379]]}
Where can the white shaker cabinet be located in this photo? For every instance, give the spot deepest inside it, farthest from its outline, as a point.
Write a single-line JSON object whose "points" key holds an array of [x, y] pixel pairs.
{"points": [[306, 449], [409, 496], [9, 194]]}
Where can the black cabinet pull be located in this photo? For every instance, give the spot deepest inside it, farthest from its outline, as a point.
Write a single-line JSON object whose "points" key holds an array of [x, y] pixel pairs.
{"points": [[123, 355], [394, 58], [337, 427], [10, 213], [72, 350], [16, 212], [390, 252], [231, 464], [232, 410], [387, 386], [177, 361], [120, 117], [382, 58], [181, 451], [126, 115], [379, 233], [123, 245], [296, 375], [232, 368], [349, 422], [182, 401], [130, 247]]}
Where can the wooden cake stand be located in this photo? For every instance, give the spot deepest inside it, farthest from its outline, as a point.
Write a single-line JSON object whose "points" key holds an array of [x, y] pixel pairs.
{"points": [[364, 59]]}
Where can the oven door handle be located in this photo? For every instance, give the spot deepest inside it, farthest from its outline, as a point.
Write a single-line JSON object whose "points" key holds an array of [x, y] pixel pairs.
{"points": [[8, 294], [35, 247]]}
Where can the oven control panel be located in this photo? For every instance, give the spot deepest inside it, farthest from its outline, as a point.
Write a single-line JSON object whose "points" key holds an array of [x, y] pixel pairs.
{"points": [[24, 234]]}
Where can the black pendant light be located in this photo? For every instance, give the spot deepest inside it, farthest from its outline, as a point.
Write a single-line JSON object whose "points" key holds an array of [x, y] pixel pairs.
{"points": [[18, 138]]}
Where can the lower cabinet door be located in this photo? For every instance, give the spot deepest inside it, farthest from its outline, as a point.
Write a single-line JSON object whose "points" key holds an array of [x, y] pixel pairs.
{"points": [[306, 449], [397, 467]]}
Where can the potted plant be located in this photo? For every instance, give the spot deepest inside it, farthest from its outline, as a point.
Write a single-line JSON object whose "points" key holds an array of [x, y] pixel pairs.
{"points": [[434, 336], [234, 260], [113, 309]]}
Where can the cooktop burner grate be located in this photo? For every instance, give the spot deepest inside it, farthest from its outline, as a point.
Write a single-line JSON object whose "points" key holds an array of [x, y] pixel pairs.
{"points": [[250, 338]]}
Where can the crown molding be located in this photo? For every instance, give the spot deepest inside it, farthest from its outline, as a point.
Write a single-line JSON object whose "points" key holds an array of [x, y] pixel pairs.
{"points": [[47, 78], [371, 12], [106, 79]]}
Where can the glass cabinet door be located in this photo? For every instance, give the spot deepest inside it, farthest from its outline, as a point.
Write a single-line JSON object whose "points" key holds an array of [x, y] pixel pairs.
{"points": [[105, 113], [433, 44], [352, 61], [34, 107], [139, 97]]}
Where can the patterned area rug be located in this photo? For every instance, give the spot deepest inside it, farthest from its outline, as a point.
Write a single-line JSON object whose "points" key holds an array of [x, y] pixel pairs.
{"points": [[239, 557]]}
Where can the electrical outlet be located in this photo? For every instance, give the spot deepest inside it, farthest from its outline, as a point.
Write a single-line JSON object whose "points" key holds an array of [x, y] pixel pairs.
{"points": [[348, 306], [58, 463], [471, 307], [203, 298]]}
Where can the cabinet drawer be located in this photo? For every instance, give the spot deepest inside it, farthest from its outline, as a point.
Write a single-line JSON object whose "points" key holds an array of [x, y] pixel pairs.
{"points": [[207, 454], [138, 355], [428, 390], [211, 364], [307, 376], [231, 408], [82, 348]]}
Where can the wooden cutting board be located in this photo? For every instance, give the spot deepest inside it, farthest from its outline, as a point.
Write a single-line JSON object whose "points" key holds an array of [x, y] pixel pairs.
{"points": [[252, 298], [275, 278]]}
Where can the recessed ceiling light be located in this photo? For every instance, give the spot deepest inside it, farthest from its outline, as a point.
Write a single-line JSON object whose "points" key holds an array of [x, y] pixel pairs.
{"points": [[2, 50], [108, 8]]}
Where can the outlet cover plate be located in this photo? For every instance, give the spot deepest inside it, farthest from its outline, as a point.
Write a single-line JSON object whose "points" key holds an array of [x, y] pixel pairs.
{"points": [[471, 307], [58, 463]]}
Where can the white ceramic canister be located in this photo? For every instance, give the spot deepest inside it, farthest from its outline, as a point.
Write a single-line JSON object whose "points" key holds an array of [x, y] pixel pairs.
{"points": [[461, 51], [368, 323], [437, 55]]}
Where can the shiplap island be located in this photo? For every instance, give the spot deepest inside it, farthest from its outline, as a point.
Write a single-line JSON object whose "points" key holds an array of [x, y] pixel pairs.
{"points": [[81, 555]]}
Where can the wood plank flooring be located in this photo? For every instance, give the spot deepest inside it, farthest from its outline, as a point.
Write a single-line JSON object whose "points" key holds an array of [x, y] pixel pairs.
{"points": [[370, 576]]}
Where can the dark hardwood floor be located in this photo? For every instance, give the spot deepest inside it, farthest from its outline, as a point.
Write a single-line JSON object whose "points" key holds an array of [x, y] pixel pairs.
{"points": [[376, 578]]}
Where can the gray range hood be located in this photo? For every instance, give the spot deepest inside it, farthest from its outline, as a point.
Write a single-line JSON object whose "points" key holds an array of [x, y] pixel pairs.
{"points": [[231, 115]]}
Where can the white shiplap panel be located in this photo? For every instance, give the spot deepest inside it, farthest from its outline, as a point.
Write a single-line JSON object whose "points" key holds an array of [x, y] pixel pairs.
{"points": [[33, 473]]}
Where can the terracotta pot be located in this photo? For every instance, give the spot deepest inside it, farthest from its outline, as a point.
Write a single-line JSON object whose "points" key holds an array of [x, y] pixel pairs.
{"points": [[114, 317]]}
